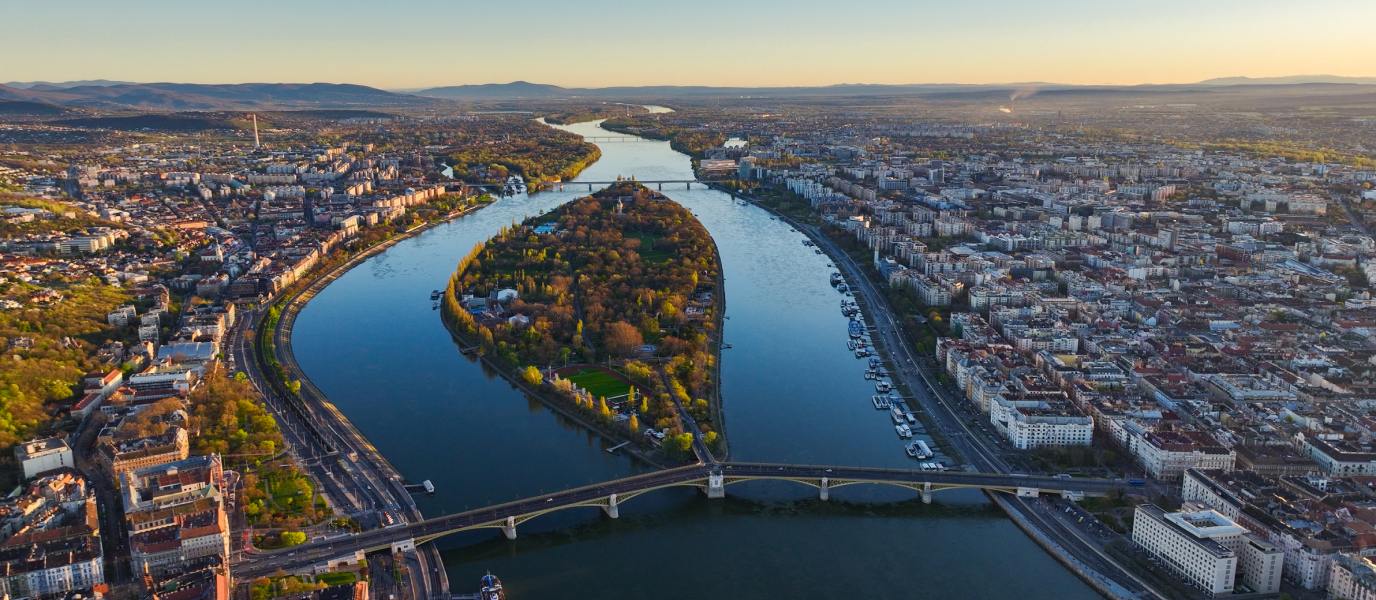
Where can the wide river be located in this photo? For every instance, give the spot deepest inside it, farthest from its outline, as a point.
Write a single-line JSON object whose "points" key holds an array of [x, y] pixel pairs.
{"points": [[791, 392]]}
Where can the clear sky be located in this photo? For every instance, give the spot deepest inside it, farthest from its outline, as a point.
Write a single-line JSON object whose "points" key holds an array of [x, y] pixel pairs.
{"points": [[596, 43]]}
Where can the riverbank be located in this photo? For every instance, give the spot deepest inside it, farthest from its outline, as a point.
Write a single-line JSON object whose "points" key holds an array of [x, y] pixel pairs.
{"points": [[559, 407], [1092, 577], [370, 342], [291, 307]]}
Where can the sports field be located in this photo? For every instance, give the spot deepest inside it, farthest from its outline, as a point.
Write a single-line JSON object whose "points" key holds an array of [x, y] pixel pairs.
{"points": [[599, 383]]}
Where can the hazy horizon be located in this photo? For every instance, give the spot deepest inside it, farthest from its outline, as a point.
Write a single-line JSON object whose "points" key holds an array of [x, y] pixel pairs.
{"points": [[610, 43]]}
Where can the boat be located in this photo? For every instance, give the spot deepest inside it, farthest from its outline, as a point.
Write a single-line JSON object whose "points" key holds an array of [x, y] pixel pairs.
{"points": [[903, 431], [897, 420], [817, 251], [490, 588], [435, 295], [924, 450], [850, 344], [880, 402], [912, 450], [898, 414], [911, 419], [436, 306], [883, 387]]}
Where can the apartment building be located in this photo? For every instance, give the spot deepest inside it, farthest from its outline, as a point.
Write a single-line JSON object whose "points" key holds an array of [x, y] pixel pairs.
{"points": [[1196, 546], [51, 567], [40, 456]]}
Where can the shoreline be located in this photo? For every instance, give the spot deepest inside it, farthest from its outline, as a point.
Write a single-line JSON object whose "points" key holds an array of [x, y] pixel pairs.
{"points": [[291, 307], [558, 407], [610, 434], [1091, 577]]}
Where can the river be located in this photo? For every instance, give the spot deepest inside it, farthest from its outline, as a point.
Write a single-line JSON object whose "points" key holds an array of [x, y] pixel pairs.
{"points": [[791, 391]]}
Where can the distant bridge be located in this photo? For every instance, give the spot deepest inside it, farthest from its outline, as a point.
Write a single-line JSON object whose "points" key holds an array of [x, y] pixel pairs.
{"points": [[560, 185], [712, 479]]}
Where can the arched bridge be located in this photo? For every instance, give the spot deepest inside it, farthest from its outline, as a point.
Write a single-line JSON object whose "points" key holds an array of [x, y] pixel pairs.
{"points": [[711, 478]]}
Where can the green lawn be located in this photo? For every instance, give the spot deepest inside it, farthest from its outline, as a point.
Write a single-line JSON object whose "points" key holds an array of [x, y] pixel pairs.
{"points": [[336, 578], [647, 250], [599, 384]]}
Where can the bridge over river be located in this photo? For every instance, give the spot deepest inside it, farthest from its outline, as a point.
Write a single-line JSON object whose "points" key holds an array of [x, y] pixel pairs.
{"points": [[711, 478], [578, 185]]}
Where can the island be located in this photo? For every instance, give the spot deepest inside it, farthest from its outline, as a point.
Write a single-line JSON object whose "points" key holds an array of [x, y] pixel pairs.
{"points": [[607, 306]]}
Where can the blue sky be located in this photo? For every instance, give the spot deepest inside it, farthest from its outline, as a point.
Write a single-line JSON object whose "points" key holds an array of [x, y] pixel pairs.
{"points": [[422, 43]]}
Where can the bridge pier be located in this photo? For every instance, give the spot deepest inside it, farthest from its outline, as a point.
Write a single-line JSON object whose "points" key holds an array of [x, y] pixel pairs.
{"points": [[927, 492], [510, 528], [824, 494], [661, 187], [611, 508], [716, 486]]}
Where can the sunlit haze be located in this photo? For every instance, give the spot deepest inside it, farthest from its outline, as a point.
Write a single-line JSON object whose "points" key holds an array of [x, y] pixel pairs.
{"points": [[423, 43]]}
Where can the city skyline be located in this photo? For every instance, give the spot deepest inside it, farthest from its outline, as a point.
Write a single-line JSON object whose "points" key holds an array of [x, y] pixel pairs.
{"points": [[617, 43]]}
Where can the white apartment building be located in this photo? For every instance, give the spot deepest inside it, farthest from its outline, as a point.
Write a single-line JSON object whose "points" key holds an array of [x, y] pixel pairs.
{"points": [[43, 455], [51, 567], [1197, 486], [1339, 458], [1198, 546], [1352, 577], [1030, 424], [1167, 454], [1261, 563]]}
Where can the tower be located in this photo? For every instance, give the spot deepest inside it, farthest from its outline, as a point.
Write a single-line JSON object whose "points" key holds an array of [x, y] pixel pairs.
{"points": [[255, 131]]}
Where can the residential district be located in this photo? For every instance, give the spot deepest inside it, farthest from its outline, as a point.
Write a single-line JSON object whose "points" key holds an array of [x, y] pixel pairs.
{"points": [[1194, 321]]}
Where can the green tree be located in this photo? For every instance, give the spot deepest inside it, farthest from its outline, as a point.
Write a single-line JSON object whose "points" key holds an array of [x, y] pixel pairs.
{"points": [[293, 538]]}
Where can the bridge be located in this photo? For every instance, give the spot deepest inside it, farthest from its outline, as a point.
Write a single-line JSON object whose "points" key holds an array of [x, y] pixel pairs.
{"points": [[688, 183], [560, 185], [712, 479]]}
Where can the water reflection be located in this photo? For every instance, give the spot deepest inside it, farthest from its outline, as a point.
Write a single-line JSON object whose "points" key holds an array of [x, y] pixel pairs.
{"points": [[792, 392]]}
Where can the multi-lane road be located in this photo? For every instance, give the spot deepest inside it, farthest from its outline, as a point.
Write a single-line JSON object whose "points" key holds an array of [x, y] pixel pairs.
{"points": [[977, 450], [354, 478], [698, 475], [354, 485]]}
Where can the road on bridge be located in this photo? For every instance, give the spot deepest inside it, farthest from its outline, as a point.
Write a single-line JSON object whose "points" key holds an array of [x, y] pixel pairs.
{"points": [[693, 475]]}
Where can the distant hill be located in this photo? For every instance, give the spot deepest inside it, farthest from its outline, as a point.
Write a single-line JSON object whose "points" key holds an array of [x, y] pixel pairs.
{"points": [[25, 85], [515, 89], [154, 122], [190, 96], [1290, 80], [21, 107]]}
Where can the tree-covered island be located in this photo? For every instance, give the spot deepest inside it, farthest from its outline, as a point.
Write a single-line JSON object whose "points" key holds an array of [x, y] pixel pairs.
{"points": [[625, 278]]}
